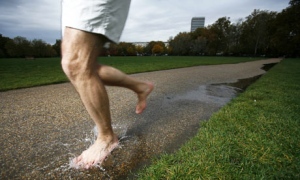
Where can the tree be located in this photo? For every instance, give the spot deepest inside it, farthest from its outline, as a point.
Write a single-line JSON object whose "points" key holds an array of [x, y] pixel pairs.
{"points": [[139, 49], [181, 44], [121, 49], [210, 37], [255, 35], [234, 44], [18, 47], [149, 48], [3, 41], [157, 49], [112, 49], [50, 52], [39, 48], [221, 31], [125, 49], [197, 33], [130, 50], [21, 47], [198, 46], [57, 47], [286, 38], [199, 41], [294, 2]]}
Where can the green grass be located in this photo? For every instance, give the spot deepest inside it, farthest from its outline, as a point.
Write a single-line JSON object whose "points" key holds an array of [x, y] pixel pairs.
{"points": [[21, 73], [255, 136]]}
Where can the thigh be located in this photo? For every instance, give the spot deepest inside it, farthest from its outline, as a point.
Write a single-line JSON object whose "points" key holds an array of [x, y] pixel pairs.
{"points": [[80, 46]]}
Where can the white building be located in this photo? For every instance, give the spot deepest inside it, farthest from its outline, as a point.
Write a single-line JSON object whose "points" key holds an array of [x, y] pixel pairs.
{"points": [[143, 44]]}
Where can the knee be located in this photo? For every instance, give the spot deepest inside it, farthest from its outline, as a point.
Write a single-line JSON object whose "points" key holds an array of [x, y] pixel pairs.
{"points": [[77, 57], [71, 67]]}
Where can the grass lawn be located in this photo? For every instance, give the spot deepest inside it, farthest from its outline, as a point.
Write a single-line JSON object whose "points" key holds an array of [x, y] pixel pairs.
{"points": [[255, 136], [21, 73]]}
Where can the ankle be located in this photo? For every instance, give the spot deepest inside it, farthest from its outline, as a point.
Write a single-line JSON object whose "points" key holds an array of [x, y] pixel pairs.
{"points": [[143, 87], [107, 138]]}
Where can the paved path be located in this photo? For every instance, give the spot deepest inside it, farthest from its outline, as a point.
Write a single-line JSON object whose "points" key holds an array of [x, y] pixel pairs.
{"points": [[42, 128]]}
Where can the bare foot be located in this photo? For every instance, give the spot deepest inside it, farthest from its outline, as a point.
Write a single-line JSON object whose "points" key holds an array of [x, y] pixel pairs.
{"points": [[95, 154], [142, 97]]}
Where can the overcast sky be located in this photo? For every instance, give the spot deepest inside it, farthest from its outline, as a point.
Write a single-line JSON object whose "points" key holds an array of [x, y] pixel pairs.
{"points": [[148, 20]]}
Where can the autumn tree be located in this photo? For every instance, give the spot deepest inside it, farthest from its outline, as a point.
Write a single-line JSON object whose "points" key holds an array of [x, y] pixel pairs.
{"points": [[139, 49], [112, 50], [122, 49], [130, 50], [158, 47]]}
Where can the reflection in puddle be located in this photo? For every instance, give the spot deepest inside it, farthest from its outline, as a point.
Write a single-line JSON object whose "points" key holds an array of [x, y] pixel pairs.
{"points": [[216, 94]]}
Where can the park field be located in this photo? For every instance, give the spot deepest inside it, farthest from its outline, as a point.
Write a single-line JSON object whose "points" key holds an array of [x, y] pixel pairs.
{"points": [[255, 136], [23, 73]]}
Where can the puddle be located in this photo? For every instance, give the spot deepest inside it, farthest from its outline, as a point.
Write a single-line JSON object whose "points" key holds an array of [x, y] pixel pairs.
{"points": [[267, 67], [242, 84], [219, 94]]}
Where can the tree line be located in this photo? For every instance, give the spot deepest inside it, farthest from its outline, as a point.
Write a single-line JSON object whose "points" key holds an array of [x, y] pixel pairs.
{"points": [[20, 47], [262, 33]]}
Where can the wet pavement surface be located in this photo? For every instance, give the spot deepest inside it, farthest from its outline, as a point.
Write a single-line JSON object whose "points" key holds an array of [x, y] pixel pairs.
{"points": [[43, 128]]}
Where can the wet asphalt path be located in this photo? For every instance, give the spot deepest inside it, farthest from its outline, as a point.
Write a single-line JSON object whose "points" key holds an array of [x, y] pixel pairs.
{"points": [[42, 128]]}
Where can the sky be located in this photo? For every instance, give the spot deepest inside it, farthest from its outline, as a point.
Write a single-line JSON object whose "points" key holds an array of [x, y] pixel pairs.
{"points": [[148, 20]]}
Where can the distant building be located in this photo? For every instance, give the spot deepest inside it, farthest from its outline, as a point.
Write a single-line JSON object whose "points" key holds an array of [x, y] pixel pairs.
{"points": [[197, 22], [144, 44]]}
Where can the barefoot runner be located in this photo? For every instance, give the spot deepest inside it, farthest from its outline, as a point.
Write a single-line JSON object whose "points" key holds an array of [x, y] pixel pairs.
{"points": [[86, 26]]}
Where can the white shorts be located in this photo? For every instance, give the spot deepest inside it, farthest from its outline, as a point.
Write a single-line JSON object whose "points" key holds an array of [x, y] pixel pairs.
{"points": [[106, 17]]}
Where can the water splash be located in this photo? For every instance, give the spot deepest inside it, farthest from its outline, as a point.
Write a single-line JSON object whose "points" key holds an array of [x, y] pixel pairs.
{"points": [[90, 139], [60, 162]]}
